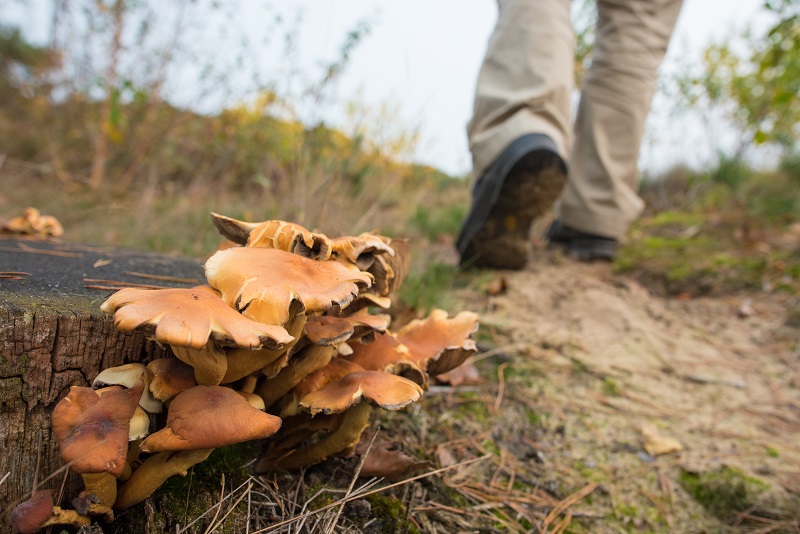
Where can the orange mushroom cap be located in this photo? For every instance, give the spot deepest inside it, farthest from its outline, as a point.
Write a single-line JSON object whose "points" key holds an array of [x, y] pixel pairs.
{"points": [[439, 343], [390, 270], [280, 235], [359, 250], [337, 368], [92, 430], [387, 354], [270, 285], [388, 391], [189, 318], [207, 417], [169, 376], [328, 330]]}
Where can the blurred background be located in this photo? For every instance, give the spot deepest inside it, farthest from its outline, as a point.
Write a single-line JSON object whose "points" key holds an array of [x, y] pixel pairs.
{"points": [[130, 120]]}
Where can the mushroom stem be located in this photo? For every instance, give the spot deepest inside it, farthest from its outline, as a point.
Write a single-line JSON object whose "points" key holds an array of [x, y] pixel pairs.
{"points": [[249, 383], [101, 485], [354, 421], [243, 362], [210, 363], [155, 471], [312, 358]]}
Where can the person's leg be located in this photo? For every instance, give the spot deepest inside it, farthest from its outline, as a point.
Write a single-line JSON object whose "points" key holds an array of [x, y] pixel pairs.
{"points": [[519, 130], [525, 83], [601, 195]]}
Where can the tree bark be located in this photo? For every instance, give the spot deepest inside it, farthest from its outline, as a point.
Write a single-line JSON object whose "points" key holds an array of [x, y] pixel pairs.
{"points": [[54, 336]]}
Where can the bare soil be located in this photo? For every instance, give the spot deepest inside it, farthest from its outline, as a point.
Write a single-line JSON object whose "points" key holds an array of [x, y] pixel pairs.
{"points": [[585, 360]]}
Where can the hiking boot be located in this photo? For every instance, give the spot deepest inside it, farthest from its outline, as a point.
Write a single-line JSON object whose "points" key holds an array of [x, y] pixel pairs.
{"points": [[521, 185], [580, 245]]}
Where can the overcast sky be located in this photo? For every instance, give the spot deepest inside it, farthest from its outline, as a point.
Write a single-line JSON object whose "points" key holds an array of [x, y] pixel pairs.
{"points": [[421, 58], [424, 56]]}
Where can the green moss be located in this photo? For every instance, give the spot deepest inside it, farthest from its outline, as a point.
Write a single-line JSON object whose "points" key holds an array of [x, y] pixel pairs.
{"points": [[610, 387], [472, 408], [723, 492], [431, 288], [10, 390], [20, 367], [183, 499], [772, 452], [535, 418], [391, 514]]}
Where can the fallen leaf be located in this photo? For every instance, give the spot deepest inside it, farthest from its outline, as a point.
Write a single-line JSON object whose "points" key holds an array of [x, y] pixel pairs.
{"points": [[656, 444], [444, 457], [385, 459], [745, 309], [101, 263], [498, 286], [464, 374]]}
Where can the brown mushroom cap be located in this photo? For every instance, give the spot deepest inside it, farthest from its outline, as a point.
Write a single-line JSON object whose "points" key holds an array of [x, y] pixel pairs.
{"points": [[170, 376], [31, 515], [388, 391], [189, 318], [440, 343], [206, 417], [92, 431], [265, 283], [280, 235]]}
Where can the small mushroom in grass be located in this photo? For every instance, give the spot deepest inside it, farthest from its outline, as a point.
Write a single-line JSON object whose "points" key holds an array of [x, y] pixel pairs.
{"points": [[206, 417], [196, 323], [169, 376], [32, 222], [127, 375], [271, 286], [281, 235], [154, 472], [347, 395]]}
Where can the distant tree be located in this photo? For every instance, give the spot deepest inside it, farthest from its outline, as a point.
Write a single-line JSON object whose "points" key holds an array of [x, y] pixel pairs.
{"points": [[756, 90], [21, 61]]}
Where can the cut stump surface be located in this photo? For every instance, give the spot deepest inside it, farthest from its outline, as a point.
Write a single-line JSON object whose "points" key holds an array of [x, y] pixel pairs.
{"points": [[54, 336]]}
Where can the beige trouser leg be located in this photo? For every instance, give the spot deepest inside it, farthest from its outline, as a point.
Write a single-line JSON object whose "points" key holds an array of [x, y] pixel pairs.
{"points": [[632, 37], [526, 81], [525, 86]]}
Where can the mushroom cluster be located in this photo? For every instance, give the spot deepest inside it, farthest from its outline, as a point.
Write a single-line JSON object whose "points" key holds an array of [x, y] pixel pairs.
{"points": [[281, 344]]}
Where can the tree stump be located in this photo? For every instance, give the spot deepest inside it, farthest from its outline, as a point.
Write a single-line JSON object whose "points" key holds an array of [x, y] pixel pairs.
{"points": [[53, 336]]}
